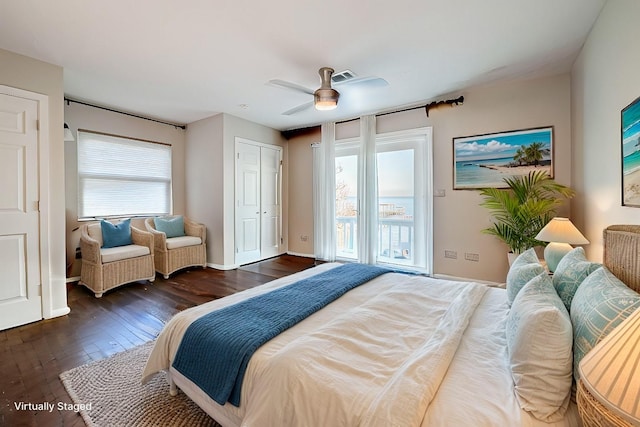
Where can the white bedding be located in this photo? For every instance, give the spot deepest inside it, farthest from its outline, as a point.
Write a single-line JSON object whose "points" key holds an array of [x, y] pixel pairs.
{"points": [[402, 363]]}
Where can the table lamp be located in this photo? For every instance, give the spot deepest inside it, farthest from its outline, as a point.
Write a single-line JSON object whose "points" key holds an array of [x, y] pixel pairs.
{"points": [[609, 389], [561, 234]]}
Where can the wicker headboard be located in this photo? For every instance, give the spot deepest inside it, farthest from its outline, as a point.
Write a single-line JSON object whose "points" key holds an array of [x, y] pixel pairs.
{"points": [[622, 253]]}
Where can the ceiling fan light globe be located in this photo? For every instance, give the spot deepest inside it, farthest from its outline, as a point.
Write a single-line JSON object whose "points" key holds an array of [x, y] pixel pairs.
{"points": [[325, 99]]}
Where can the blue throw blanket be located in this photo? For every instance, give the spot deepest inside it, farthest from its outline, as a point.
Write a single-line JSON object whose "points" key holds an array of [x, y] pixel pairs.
{"points": [[216, 348]]}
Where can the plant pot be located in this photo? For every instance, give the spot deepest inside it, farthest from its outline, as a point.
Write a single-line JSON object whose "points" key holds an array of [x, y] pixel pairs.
{"points": [[511, 256]]}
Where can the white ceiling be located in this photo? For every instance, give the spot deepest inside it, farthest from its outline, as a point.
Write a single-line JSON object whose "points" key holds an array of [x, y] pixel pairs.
{"points": [[184, 60]]}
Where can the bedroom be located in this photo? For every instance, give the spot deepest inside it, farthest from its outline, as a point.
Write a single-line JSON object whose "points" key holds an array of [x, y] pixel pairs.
{"points": [[583, 105]]}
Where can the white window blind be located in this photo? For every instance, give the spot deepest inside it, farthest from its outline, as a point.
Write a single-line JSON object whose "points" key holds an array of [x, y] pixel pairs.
{"points": [[118, 176]]}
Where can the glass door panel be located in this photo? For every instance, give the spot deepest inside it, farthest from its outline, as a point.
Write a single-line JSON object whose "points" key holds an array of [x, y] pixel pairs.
{"points": [[346, 205], [396, 205]]}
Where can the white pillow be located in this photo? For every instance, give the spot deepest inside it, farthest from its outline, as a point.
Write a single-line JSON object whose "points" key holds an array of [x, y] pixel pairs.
{"points": [[539, 341]]}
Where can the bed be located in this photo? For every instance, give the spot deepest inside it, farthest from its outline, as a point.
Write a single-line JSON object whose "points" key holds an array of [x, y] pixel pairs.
{"points": [[409, 350]]}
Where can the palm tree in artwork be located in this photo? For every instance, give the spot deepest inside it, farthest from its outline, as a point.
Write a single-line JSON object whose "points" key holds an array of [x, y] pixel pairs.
{"points": [[520, 155], [534, 153]]}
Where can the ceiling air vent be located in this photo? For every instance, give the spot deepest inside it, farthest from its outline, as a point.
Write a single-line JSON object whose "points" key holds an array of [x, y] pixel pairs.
{"points": [[343, 76]]}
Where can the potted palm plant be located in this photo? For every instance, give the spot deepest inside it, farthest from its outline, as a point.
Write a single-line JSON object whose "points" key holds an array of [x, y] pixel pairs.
{"points": [[524, 208]]}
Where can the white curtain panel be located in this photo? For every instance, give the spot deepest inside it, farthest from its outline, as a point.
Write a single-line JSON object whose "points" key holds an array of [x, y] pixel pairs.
{"points": [[324, 189], [368, 192]]}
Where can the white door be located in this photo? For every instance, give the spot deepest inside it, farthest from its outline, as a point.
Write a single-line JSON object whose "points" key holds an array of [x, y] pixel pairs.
{"points": [[247, 203], [20, 300], [270, 166]]}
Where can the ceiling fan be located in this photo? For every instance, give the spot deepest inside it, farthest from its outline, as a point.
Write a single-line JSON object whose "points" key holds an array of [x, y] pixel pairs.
{"points": [[326, 97]]}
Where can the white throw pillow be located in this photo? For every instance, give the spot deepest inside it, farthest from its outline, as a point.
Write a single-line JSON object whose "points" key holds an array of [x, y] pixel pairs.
{"points": [[539, 341]]}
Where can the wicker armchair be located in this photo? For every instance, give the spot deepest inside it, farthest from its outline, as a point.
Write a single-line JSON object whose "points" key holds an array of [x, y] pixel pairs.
{"points": [[106, 268], [175, 253]]}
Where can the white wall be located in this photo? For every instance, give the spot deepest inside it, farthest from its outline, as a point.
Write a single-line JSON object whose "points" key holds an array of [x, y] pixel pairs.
{"points": [[36, 76], [210, 179], [79, 116], [605, 79], [458, 218]]}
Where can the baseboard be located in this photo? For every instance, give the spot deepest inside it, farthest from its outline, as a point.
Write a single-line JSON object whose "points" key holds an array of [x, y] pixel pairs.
{"points": [[59, 312], [73, 279], [301, 255], [223, 267]]}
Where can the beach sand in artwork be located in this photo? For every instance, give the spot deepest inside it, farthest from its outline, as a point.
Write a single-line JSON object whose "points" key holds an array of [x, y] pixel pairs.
{"points": [[632, 188], [518, 170]]}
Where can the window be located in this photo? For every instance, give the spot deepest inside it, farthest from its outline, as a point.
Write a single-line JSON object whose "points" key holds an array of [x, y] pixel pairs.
{"points": [[404, 190], [401, 196], [119, 176]]}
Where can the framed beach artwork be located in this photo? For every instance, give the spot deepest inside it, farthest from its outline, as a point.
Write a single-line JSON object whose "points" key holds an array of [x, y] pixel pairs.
{"points": [[483, 161], [630, 124]]}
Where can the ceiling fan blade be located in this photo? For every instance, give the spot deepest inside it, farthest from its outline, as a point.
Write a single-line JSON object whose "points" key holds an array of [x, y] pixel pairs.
{"points": [[370, 81], [292, 86], [299, 108]]}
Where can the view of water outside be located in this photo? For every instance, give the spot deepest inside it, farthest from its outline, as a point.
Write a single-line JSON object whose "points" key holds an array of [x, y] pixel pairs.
{"points": [[395, 206]]}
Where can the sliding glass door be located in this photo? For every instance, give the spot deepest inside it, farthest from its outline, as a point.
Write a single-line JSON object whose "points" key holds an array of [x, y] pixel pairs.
{"points": [[403, 198]]}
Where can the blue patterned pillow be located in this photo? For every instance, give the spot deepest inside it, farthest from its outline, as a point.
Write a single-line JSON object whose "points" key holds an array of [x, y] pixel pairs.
{"points": [[523, 269], [114, 235], [571, 271], [539, 341], [600, 304], [171, 226]]}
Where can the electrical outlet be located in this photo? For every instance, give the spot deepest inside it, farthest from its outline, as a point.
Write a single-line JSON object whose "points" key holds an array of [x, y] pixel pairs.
{"points": [[304, 237], [451, 254], [471, 256]]}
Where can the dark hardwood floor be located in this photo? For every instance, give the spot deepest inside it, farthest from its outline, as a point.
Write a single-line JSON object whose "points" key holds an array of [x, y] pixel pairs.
{"points": [[32, 356]]}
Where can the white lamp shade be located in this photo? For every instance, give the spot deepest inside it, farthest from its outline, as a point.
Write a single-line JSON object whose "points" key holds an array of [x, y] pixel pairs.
{"points": [[611, 370], [561, 230]]}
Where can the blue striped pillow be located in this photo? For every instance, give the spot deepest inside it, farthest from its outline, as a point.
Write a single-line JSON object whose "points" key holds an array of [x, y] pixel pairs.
{"points": [[571, 271], [523, 269], [600, 304]]}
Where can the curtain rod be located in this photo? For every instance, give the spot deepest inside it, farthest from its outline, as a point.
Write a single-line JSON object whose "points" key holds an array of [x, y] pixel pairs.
{"points": [[427, 107], [288, 134], [69, 100]]}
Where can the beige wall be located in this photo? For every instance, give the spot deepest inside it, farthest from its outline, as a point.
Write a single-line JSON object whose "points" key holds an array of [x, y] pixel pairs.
{"points": [[204, 178], [458, 218], [36, 76], [79, 116], [605, 79], [210, 179], [301, 193]]}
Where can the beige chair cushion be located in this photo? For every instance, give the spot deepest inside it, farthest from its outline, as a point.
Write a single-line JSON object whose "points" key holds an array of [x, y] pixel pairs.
{"points": [[95, 232], [181, 242], [122, 252]]}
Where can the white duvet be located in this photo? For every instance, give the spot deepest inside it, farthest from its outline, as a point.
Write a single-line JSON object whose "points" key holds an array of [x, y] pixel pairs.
{"points": [[384, 354]]}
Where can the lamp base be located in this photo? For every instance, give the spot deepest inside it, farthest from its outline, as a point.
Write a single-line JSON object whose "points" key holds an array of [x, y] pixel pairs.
{"points": [[554, 252]]}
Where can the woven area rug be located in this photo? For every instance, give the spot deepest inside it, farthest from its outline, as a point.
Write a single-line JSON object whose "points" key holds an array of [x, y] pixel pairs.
{"points": [[112, 387]]}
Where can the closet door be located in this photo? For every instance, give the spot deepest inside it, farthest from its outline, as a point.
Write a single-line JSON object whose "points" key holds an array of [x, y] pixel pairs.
{"points": [[270, 166], [248, 207], [258, 201]]}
